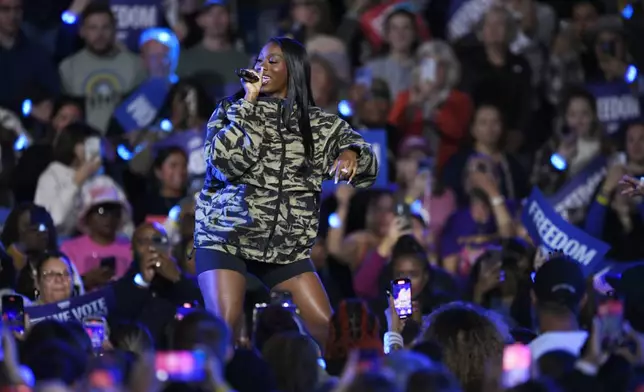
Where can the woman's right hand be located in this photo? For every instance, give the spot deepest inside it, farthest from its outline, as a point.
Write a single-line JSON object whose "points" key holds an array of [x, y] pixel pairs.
{"points": [[631, 186], [86, 170], [98, 277], [488, 279], [252, 89], [396, 230], [343, 194], [395, 323]]}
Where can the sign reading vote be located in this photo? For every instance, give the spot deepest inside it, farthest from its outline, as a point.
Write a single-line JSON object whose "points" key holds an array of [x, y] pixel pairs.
{"points": [[378, 141], [551, 232], [579, 191], [616, 104], [141, 108], [134, 16], [96, 303]]}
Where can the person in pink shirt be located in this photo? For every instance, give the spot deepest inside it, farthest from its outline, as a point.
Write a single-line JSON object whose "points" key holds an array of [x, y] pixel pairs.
{"points": [[101, 254]]}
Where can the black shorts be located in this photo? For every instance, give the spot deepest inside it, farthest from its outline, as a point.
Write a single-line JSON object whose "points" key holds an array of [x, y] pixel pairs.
{"points": [[270, 274]]}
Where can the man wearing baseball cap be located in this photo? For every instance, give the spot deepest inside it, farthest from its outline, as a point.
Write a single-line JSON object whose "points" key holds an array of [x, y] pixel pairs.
{"points": [[558, 293]]}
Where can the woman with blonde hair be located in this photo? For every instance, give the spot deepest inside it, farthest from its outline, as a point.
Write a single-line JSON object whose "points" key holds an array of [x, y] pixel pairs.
{"points": [[433, 107]]}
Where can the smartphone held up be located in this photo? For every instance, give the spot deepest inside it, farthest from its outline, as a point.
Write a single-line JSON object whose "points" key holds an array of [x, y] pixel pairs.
{"points": [[401, 292], [180, 366], [13, 312]]}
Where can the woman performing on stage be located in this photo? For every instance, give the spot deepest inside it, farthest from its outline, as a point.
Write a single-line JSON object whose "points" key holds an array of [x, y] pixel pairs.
{"points": [[268, 150]]}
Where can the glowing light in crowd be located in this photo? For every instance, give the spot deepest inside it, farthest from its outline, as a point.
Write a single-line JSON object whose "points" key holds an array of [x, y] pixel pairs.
{"points": [[125, 153], [344, 108], [20, 143], [416, 207], [166, 125], [627, 12], [631, 74], [26, 107], [334, 221], [69, 17], [558, 162], [174, 213]]}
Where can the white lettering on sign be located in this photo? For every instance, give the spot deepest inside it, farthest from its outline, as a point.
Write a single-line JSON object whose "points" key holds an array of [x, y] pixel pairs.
{"points": [[553, 238], [617, 108], [135, 16], [141, 111], [98, 307], [581, 196]]}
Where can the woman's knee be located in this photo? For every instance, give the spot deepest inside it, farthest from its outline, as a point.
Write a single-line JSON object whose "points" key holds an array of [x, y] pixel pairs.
{"points": [[223, 293]]}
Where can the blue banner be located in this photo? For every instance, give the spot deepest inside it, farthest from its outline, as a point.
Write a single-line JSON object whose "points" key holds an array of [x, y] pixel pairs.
{"points": [[551, 232], [454, 6], [141, 108], [96, 303], [134, 16], [378, 141], [616, 104], [579, 190]]}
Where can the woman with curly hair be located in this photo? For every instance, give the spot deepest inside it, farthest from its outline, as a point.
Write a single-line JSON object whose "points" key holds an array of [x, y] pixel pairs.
{"points": [[472, 341]]}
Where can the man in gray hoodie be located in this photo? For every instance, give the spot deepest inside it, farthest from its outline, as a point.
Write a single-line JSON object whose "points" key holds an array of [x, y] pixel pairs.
{"points": [[103, 72]]}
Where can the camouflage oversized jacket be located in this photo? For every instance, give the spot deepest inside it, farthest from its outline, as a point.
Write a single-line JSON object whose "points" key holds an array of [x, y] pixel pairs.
{"points": [[257, 203]]}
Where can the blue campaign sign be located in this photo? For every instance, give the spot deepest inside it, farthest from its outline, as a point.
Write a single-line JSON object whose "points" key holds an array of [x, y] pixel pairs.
{"points": [[378, 141], [141, 108], [96, 303], [579, 191], [616, 104], [551, 232], [134, 16]]}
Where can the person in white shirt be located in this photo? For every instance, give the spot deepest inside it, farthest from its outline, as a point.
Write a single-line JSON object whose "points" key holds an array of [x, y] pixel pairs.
{"points": [[559, 291], [58, 186]]}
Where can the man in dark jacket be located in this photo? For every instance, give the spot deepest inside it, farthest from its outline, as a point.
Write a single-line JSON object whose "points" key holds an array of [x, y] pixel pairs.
{"points": [[154, 287]]}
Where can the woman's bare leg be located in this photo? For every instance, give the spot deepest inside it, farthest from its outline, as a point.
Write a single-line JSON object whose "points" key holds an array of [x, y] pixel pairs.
{"points": [[223, 293], [311, 299]]}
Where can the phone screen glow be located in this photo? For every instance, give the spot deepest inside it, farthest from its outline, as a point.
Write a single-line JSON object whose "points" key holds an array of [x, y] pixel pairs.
{"points": [[402, 297]]}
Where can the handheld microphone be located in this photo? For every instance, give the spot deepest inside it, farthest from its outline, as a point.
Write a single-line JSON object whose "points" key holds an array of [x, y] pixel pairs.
{"points": [[248, 75]]}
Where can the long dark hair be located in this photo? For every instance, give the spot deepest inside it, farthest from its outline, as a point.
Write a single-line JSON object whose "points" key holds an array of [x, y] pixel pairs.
{"points": [[299, 94]]}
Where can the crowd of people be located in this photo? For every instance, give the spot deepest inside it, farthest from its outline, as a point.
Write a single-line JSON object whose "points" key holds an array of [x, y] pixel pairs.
{"points": [[470, 106]]}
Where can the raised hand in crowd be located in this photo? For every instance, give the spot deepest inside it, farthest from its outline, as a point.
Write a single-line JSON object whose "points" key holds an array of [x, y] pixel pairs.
{"points": [[568, 147], [631, 186], [394, 322], [612, 180], [156, 262], [98, 277], [396, 230], [633, 350], [343, 195], [86, 170], [490, 276], [11, 368]]}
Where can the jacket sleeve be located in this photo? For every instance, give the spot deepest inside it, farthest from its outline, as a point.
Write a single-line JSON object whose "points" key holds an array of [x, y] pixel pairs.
{"points": [[234, 139], [345, 138]]}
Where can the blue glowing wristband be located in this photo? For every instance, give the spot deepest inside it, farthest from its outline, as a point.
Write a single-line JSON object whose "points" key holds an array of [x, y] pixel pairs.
{"points": [[558, 162]]}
